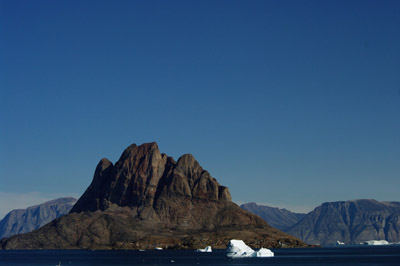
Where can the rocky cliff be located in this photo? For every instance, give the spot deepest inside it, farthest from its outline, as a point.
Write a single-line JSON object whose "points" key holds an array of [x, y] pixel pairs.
{"points": [[26, 220], [146, 200], [350, 222], [281, 219]]}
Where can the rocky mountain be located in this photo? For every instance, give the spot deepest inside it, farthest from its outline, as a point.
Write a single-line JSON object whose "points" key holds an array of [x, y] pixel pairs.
{"points": [[281, 219], [147, 200], [26, 220], [350, 222]]}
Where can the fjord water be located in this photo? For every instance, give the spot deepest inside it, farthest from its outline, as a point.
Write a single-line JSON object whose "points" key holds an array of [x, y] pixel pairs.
{"points": [[359, 255]]}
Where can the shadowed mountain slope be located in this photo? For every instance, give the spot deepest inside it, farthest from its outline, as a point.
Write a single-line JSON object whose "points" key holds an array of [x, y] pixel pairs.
{"points": [[25, 220], [351, 222], [281, 219]]}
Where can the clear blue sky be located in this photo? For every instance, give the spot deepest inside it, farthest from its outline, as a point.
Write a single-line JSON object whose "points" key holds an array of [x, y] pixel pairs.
{"points": [[288, 103]]}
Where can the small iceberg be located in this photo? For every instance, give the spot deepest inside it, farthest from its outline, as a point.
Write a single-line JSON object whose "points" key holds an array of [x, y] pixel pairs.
{"points": [[238, 249], [376, 242], [206, 249], [338, 243], [264, 252]]}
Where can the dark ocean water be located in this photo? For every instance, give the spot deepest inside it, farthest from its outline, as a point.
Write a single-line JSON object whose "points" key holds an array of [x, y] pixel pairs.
{"points": [[365, 255]]}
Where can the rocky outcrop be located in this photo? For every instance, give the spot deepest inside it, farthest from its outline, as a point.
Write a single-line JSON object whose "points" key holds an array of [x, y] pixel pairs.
{"points": [[25, 220], [351, 222], [146, 199], [281, 219], [154, 187]]}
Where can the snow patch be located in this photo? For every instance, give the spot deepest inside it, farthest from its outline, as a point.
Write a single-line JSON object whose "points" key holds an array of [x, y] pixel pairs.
{"points": [[238, 249]]}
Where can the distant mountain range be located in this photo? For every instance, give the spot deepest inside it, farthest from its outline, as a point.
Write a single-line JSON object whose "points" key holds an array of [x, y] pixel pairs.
{"points": [[26, 220], [351, 222], [147, 199], [281, 219]]}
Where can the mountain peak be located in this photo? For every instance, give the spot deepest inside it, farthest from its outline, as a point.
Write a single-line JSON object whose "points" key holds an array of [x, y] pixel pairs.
{"points": [[134, 150], [142, 175], [148, 200]]}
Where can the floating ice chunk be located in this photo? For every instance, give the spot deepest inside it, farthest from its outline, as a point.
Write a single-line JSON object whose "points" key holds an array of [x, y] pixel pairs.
{"points": [[338, 243], [376, 242], [264, 252], [206, 249], [238, 249]]}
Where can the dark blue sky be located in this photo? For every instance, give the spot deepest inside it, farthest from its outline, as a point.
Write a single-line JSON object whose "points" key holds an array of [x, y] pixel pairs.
{"points": [[290, 103]]}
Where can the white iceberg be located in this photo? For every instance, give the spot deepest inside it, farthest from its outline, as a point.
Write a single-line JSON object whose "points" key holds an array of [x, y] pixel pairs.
{"points": [[376, 242], [338, 243], [206, 249], [264, 252], [238, 249]]}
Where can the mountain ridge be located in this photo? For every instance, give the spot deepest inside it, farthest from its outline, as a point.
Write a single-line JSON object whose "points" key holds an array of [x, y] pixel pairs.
{"points": [[20, 221], [351, 222], [281, 219], [147, 199]]}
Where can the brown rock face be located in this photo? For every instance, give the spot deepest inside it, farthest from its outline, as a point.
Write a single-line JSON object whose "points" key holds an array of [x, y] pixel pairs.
{"points": [[131, 182], [149, 183], [147, 199]]}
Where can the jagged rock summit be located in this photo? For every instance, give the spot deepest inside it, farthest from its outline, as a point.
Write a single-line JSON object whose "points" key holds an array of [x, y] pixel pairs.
{"points": [[148, 200], [142, 175]]}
